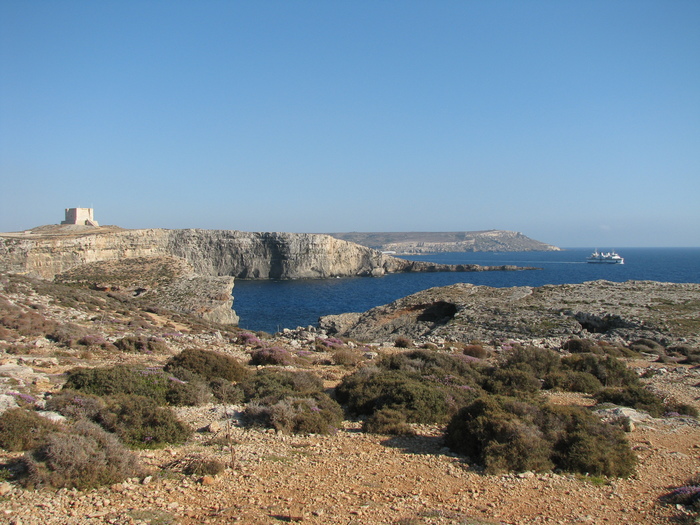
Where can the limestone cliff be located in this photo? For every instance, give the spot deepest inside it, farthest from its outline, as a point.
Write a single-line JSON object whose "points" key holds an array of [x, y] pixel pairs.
{"points": [[435, 242], [48, 251]]}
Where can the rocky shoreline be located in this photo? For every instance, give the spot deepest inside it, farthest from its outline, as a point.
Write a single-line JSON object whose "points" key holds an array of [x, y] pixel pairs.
{"points": [[549, 315]]}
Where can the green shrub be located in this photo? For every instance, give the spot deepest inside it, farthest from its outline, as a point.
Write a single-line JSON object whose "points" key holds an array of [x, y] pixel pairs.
{"points": [[140, 344], [634, 396], [271, 356], [591, 446], [688, 354], [312, 415], [608, 370], [681, 408], [387, 421], [141, 423], [572, 381], [435, 365], [119, 380], [648, 346], [365, 393], [22, 429], [509, 434], [75, 404], [225, 391], [271, 385], [538, 360], [516, 379], [209, 365], [425, 386], [497, 439], [187, 389], [82, 456], [162, 388]]}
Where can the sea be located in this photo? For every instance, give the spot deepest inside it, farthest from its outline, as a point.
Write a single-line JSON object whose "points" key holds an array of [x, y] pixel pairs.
{"points": [[271, 306]]}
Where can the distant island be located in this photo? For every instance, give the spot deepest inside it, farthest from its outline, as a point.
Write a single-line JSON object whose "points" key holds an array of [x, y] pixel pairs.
{"points": [[435, 242]]}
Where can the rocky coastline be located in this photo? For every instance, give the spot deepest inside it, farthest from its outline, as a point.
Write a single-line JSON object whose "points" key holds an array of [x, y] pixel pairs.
{"points": [[203, 263], [348, 476], [551, 314]]}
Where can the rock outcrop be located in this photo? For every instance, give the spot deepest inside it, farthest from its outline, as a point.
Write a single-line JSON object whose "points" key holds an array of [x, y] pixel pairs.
{"points": [[668, 313], [48, 251], [166, 282], [435, 242]]}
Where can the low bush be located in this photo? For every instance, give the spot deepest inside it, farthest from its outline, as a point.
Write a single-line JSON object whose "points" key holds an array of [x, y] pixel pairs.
{"points": [[225, 391], [148, 382], [403, 342], [271, 356], [688, 494], [141, 423], [572, 381], [634, 396], [477, 351], [427, 387], [67, 334], [82, 456], [202, 465], [687, 354], [588, 445], [210, 365], [539, 361], [75, 404], [684, 409], [499, 440], [270, 385], [610, 371], [22, 429], [388, 421], [509, 434], [581, 346], [512, 380], [346, 357], [291, 415], [139, 344]]}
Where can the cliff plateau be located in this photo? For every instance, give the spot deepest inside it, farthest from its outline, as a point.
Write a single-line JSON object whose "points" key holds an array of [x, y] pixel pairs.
{"points": [[47, 251], [434, 242]]}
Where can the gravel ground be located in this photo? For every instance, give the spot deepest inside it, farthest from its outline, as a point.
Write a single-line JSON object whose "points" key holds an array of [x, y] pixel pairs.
{"points": [[353, 477]]}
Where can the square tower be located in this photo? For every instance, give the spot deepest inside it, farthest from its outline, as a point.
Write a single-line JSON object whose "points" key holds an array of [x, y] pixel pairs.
{"points": [[81, 216]]}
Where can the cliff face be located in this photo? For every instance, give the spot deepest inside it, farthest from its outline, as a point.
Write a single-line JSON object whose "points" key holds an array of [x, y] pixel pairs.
{"points": [[434, 242], [46, 253]]}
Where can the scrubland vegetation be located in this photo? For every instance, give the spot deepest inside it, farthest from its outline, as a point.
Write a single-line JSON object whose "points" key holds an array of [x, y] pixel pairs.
{"points": [[490, 402]]}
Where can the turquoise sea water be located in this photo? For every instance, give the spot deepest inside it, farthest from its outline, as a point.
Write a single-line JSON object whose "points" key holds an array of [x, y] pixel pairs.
{"points": [[272, 305]]}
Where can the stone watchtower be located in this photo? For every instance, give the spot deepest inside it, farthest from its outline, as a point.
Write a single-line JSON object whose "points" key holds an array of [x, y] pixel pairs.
{"points": [[80, 216]]}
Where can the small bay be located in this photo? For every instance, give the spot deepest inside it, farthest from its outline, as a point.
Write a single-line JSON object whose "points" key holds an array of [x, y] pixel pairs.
{"points": [[273, 305]]}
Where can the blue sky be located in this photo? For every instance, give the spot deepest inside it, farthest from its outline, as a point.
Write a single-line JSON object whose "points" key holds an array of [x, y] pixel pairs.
{"points": [[574, 122]]}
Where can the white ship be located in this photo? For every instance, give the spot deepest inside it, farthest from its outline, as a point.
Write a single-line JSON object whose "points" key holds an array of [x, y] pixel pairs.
{"points": [[605, 258]]}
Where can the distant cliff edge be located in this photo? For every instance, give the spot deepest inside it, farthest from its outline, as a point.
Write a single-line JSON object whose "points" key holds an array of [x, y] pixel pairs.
{"points": [[434, 242], [51, 250]]}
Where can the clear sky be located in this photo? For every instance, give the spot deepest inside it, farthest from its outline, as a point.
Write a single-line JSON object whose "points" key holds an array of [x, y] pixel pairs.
{"points": [[574, 122]]}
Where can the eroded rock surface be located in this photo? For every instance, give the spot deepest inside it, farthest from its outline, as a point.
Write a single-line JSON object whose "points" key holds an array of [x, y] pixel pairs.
{"points": [[48, 251], [665, 312]]}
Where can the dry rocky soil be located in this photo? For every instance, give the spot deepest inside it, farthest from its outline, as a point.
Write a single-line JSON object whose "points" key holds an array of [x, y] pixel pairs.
{"points": [[349, 477]]}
